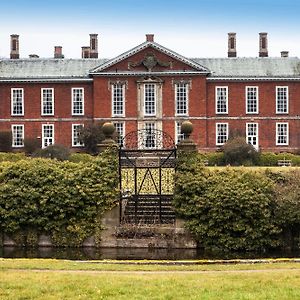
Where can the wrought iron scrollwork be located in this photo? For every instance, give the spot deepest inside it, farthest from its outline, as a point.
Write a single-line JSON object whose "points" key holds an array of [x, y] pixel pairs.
{"points": [[148, 139]]}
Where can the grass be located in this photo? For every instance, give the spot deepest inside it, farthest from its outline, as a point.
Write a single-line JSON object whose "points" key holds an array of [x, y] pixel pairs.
{"points": [[58, 279]]}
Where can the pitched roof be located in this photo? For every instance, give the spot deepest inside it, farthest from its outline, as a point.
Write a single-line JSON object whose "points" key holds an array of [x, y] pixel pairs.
{"points": [[47, 68], [252, 66], [156, 46], [61, 69]]}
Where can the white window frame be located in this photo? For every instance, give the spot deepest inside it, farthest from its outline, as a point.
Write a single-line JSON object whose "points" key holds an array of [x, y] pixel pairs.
{"points": [[42, 101], [227, 133], [178, 135], [179, 99], [154, 101], [153, 127], [287, 133], [76, 113], [114, 100], [287, 99], [250, 136], [12, 101], [121, 133], [14, 138], [44, 137], [247, 99], [78, 144], [217, 99]]}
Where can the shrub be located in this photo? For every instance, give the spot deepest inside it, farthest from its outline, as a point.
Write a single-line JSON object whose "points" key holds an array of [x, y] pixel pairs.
{"points": [[11, 156], [238, 152], [228, 209], [213, 158], [287, 197], [81, 157], [91, 135], [31, 145], [58, 152], [5, 141], [62, 199]]}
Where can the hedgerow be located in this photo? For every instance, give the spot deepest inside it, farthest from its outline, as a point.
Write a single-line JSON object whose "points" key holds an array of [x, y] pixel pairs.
{"points": [[226, 209], [62, 199]]}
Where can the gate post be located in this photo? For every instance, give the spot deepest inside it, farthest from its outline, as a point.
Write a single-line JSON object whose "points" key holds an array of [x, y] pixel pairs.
{"points": [[187, 144]]}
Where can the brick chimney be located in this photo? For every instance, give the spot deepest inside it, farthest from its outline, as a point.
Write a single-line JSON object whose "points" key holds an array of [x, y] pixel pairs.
{"points": [[263, 44], [284, 53], [93, 45], [14, 46], [231, 44], [149, 37], [58, 52], [85, 52]]}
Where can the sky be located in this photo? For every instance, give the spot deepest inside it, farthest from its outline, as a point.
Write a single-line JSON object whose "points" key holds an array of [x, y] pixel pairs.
{"points": [[193, 28]]}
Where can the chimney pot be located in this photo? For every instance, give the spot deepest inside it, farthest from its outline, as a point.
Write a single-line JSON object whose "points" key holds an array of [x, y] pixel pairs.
{"points": [[85, 52], [14, 46], [232, 44], [93, 45], [284, 53], [263, 44], [58, 52], [31, 56], [150, 37]]}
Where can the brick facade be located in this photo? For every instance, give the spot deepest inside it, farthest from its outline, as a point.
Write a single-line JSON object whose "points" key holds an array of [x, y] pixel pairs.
{"points": [[152, 64]]}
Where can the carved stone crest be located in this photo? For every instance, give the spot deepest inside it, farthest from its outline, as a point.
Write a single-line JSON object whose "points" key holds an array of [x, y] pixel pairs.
{"points": [[149, 62]]}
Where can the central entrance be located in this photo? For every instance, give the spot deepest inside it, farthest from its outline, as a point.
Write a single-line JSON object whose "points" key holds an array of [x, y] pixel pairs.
{"points": [[147, 160]]}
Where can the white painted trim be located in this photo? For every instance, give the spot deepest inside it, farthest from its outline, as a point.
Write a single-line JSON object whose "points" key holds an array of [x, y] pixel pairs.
{"points": [[257, 99], [11, 101], [72, 101], [252, 78], [257, 135], [216, 100], [123, 100], [155, 99], [216, 133], [287, 133], [143, 46], [53, 102], [46, 80], [287, 99], [187, 100], [12, 135], [73, 145], [53, 134]]}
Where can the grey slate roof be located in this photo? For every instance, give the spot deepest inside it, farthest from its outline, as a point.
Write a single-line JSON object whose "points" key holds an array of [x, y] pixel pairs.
{"points": [[219, 67], [47, 68], [252, 66]]}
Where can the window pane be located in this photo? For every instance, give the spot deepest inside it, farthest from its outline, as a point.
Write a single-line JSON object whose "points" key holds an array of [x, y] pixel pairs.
{"points": [[150, 99]]}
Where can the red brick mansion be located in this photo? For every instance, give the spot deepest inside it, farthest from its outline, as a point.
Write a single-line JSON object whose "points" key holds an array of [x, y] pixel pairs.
{"points": [[151, 86]]}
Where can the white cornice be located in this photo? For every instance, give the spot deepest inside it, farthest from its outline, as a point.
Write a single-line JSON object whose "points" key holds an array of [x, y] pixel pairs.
{"points": [[154, 46], [253, 78], [42, 80]]}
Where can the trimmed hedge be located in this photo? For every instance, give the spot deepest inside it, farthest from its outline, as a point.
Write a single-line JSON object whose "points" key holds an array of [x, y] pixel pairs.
{"points": [[236, 209], [63, 199]]}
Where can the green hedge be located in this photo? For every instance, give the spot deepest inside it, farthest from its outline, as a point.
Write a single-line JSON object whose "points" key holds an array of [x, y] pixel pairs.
{"points": [[63, 199], [236, 209]]}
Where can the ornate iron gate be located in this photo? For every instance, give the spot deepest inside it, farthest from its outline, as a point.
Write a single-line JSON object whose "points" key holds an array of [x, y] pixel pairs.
{"points": [[147, 161]]}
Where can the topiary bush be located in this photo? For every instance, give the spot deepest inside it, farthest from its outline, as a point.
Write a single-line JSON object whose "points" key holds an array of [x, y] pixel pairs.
{"points": [[237, 152], [55, 151], [226, 209]]}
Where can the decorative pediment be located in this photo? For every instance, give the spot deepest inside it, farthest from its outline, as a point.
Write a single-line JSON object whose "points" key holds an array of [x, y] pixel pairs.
{"points": [[149, 57], [149, 62]]}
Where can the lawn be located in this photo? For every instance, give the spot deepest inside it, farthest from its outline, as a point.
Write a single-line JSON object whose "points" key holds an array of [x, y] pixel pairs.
{"points": [[58, 279]]}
